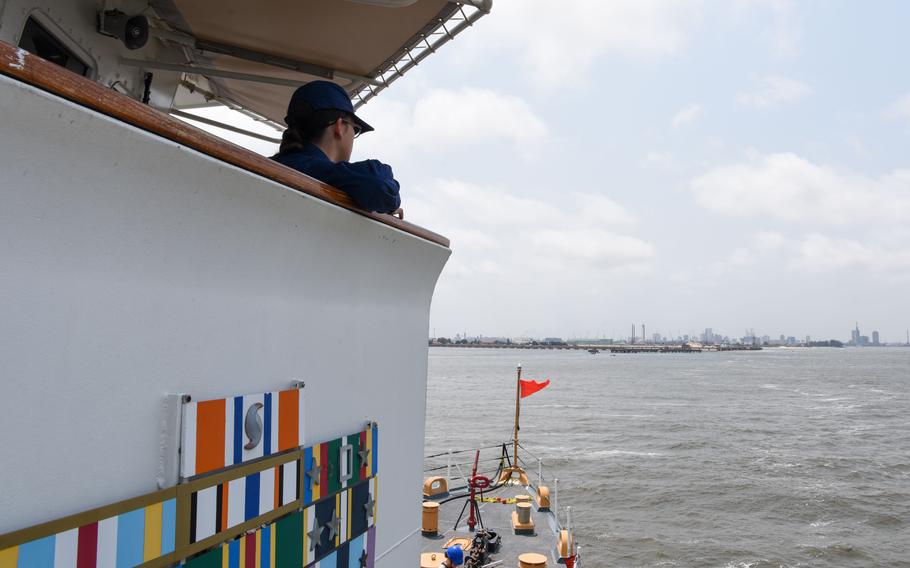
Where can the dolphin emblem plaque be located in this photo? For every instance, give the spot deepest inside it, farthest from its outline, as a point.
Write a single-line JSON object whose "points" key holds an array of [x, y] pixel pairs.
{"points": [[252, 425]]}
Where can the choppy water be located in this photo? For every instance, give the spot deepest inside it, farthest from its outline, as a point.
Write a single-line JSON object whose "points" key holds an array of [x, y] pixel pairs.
{"points": [[784, 457]]}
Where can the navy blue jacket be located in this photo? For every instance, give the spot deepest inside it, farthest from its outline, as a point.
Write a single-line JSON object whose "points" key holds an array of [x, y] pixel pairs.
{"points": [[369, 183]]}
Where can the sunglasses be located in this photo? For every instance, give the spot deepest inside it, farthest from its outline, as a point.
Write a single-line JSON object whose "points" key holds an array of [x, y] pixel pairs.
{"points": [[358, 130]]}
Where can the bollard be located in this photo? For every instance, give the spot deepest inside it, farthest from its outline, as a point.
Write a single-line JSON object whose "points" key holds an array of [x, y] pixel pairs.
{"points": [[522, 523], [532, 560], [524, 513], [430, 525]]}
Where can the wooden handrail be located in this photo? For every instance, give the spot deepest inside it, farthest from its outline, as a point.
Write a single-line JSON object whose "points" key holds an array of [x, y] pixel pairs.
{"points": [[31, 69]]}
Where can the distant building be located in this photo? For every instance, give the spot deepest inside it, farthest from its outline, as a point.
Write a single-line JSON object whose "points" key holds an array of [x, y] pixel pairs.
{"points": [[875, 338], [857, 338], [552, 340]]}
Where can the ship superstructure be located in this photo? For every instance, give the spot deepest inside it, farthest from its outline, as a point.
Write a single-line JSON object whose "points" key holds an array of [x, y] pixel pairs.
{"points": [[207, 358]]}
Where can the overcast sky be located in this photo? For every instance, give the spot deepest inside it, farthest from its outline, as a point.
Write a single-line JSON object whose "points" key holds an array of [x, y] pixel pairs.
{"points": [[729, 164]]}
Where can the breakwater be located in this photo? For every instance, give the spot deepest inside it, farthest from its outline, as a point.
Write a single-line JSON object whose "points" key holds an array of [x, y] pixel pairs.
{"points": [[619, 348]]}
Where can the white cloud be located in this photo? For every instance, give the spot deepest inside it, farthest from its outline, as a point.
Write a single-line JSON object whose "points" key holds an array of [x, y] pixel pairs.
{"points": [[900, 109], [768, 241], [687, 115], [559, 41], [819, 253], [791, 188], [786, 34], [462, 116], [584, 231], [772, 90], [446, 118]]}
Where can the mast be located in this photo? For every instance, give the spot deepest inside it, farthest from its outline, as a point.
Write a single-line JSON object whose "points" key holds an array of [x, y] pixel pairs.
{"points": [[517, 412], [515, 470]]}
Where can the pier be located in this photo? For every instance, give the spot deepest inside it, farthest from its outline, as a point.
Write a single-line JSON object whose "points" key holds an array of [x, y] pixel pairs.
{"points": [[624, 348]]}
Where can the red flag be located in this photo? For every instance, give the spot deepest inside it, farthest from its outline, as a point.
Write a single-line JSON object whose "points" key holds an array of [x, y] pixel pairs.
{"points": [[530, 387]]}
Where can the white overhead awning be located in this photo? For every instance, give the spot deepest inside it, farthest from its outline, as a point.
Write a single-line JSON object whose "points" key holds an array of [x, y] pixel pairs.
{"points": [[253, 54]]}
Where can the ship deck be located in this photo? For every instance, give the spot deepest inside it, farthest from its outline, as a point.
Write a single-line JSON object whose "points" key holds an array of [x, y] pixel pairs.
{"points": [[496, 517]]}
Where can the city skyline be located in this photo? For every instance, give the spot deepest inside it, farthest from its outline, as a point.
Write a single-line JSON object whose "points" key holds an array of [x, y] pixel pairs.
{"points": [[708, 335]]}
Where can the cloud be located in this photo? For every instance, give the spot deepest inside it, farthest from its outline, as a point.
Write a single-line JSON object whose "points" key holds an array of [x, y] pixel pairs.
{"points": [[450, 118], [497, 228], [790, 188], [900, 109], [658, 161], [561, 41], [461, 116], [818, 253], [687, 115], [772, 90]]}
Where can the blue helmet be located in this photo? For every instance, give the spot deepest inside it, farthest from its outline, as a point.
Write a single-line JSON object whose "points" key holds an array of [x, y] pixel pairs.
{"points": [[455, 554]]}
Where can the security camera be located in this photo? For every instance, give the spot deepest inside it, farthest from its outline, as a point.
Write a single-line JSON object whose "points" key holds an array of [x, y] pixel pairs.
{"points": [[133, 31]]}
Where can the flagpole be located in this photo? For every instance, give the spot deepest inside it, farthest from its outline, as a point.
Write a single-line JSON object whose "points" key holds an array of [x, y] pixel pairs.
{"points": [[515, 470], [517, 412]]}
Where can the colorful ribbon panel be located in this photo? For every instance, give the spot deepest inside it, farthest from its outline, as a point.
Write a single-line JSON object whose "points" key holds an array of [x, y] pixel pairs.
{"points": [[127, 539], [230, 431], [338, 519], [278, 545], [226, 505], [335, 465], [334, 528]]}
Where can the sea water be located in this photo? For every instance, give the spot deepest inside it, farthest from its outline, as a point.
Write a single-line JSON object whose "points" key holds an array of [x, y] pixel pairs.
{"points": [[781, 457]]}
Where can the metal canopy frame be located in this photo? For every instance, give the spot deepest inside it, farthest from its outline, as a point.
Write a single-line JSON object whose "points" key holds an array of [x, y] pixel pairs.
{"points": [[202, 46], [423, 44]]}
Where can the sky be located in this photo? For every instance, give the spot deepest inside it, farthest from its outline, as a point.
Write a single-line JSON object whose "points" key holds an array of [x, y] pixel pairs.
{"points": [[733, 165]]}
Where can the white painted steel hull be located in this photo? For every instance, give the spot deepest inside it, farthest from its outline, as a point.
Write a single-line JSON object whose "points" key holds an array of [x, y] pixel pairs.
{"points": [[133, 267]]}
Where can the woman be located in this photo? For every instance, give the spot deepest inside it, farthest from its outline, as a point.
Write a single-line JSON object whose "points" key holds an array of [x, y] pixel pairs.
{"points": [[319, 141]]}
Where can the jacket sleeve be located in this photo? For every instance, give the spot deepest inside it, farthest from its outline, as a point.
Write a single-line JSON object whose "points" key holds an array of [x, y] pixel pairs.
{"points": [[369, 183]]}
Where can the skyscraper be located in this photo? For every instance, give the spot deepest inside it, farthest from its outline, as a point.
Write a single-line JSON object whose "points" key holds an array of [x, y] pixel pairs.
{"points": [[875, 338]]}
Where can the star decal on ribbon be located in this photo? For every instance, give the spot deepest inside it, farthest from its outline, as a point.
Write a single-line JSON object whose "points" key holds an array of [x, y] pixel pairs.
{"points": [[368, 507], [364, 456], [363, 559], [333, 525], [313, 474], [315, 536]]}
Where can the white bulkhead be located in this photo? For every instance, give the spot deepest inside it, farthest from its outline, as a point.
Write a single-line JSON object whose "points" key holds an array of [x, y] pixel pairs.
{"points": [[134, 268]]}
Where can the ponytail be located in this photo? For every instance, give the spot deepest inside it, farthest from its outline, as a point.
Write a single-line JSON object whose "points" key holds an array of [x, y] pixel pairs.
{"points": [[307, 129]]}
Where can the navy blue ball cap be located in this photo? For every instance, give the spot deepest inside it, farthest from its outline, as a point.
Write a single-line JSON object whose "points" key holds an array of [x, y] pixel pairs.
{"points": [[321, 95]]}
